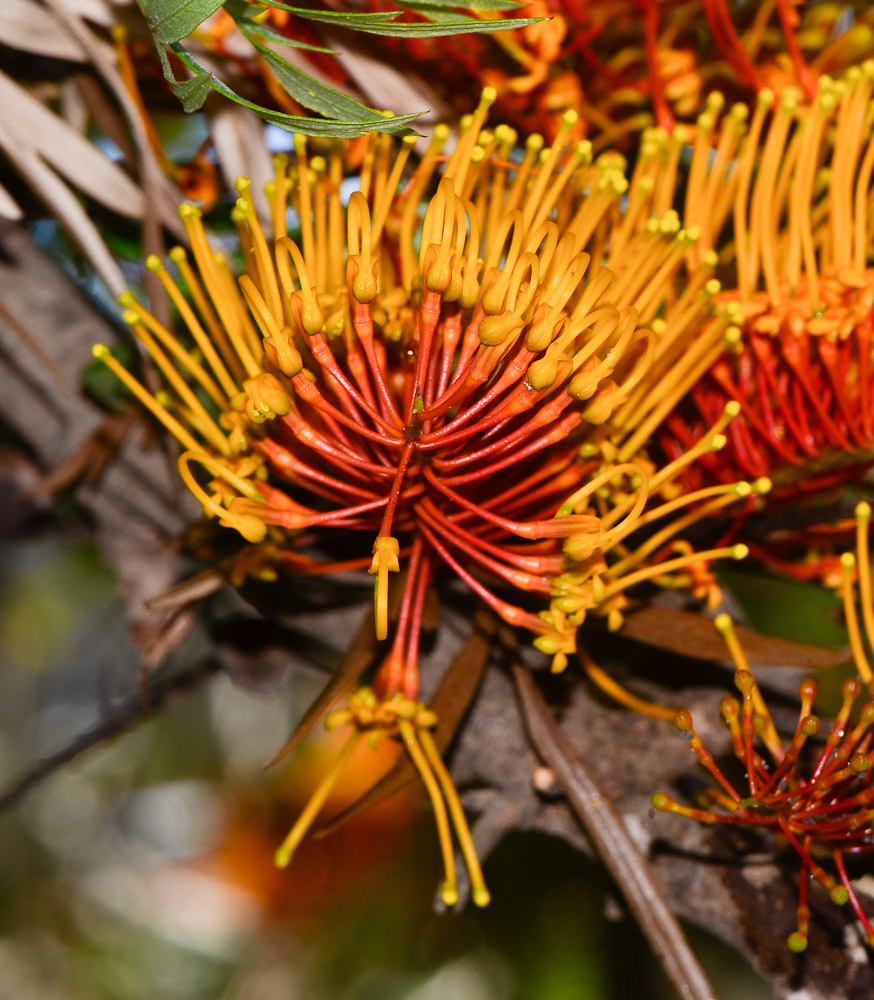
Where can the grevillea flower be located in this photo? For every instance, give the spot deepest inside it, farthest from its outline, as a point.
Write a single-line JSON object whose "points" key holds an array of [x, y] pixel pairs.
{"points": [[795, 188], [444, 374], [823, 808]]}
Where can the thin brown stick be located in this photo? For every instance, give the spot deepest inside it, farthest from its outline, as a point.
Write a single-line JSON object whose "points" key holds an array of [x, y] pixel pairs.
{"points": [[626, 864], [130, 712]]}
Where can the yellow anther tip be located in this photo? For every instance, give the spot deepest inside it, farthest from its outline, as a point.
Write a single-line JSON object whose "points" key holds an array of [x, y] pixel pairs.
{"points": [[848, 560], [153, 262], [763, 485], [242, 185], [489, 96], [449, 895], [130, 317], [534, 141], [743, 489], [732, 409], [188, 211], [570, 118], [740, 551], [766, 97], [177, 255], [718, 442], [863, 510], [281, 858], [481, 896], [100, 351], [723, 623]]}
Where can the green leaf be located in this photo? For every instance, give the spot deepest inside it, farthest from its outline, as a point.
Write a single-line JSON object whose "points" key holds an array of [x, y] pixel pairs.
{"points": [[469, 5], [191, 93], [297, 123], [338, 16], [268, 34], [424, 29], [171, 20], [312, 94]]}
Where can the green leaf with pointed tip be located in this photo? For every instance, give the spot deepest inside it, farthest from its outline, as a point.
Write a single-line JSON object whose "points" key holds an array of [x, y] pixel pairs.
{"points": [[309, 92], [396, 125], [343, 17], [424, 29], [191, 93], [171, 20], [269, 35], [470, 5]]}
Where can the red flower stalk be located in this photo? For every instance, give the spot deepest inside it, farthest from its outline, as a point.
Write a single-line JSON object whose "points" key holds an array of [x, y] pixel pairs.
{"points": [[824, 808]]}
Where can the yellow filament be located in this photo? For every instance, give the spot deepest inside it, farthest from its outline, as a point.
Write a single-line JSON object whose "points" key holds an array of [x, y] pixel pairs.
{"points": [[263, 262], [848, 563], [140, 317], [312, 809], [449, 890], [863, 518], [220, 471], [201, 338], [621, 695], [725, 627], [216, 330], [101, 352], [671, 565], [479, 891], [305, 207], [725, 495], [279, 201], [459, 162], [209, 428]]}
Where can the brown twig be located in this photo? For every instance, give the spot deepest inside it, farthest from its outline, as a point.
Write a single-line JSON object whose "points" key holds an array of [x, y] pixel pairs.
{"points": [[130, 712], [615, 847]]}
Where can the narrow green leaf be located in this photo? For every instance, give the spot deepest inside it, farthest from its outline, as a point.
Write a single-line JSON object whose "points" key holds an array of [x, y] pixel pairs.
{"points": [[191, 93], [171, 20], [430, 28], [269, 35], [310, 93], [338, 16], [467, 5], [239, 9], [297, 123]]}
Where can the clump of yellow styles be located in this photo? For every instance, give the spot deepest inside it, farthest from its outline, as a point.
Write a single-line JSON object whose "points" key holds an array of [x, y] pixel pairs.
{"points": [[457, 369]]}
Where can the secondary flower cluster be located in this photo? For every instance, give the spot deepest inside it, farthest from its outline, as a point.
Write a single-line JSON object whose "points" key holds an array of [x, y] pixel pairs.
{"points": [[797, 193], [821, 804], [624, 63]]}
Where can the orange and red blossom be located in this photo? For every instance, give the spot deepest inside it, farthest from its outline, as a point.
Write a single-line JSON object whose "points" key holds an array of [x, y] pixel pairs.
{"points": [[442, 374]]}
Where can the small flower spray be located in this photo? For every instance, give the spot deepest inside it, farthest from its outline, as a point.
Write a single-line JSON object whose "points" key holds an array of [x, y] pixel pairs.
{"points": [[823, 809]]}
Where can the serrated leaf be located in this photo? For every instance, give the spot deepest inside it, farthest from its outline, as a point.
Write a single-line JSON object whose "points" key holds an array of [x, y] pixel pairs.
{"points": [[172, 20], [269, 35], [312, 94]]}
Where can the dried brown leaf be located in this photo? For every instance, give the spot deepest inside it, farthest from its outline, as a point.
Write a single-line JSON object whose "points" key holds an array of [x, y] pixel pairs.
{"points": [[28, 26], [692, 634]]}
